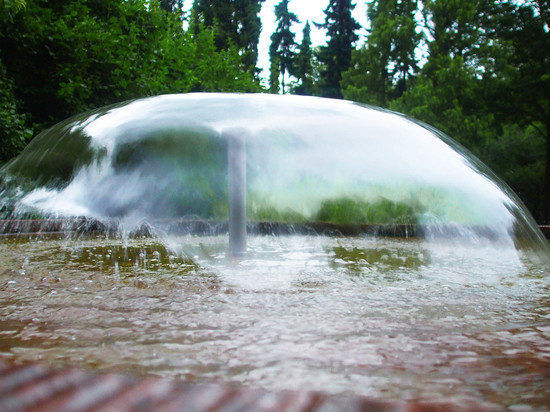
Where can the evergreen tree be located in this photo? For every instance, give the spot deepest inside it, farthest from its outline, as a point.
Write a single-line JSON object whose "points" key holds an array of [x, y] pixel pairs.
{"points": [[367, 79], [274, 76], [235, 23], [336, 55], [455, 28], [303, 69], [173, 6], [249, 27], [485, 83], [380, 70], [282, 41], [519, 82], [448, 92], [404, 42]]}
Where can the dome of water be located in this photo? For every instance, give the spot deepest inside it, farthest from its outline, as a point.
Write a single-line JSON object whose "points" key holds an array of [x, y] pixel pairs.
{"points": [[382, 258], [308, 160]]}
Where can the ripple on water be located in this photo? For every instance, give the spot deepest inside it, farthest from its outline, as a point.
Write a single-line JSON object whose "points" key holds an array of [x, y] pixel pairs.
{"points": [[383, 318]]}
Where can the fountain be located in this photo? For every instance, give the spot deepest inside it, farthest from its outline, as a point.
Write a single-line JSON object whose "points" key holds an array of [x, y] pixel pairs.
{"points": [[382, 258]]}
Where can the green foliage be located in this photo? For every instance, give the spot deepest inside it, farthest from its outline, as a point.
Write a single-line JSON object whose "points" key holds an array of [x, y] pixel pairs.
{"points": [[517, 156], [454, 27], [336, 55], [8, 8], [234, 23], [14, 130], [267, 213], [48, 166], [303, 65], [448, 101], [172, 6], [366, 80], [380, 70], [199, 167], [211, 70], [520, 82], [274, 75], [484, 79], [484, 85], [380, 211], [62, 58], [282, 45]]}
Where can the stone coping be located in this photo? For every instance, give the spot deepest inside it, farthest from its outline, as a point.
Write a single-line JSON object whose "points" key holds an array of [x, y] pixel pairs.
{"points": [[38, 387]]}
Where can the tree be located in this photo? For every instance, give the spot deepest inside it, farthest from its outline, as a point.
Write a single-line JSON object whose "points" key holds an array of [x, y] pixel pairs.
{"points": [[404, 42], [15, 132], [366, 80], [303, 68], [8, 8], [517, 155], [450, 99], [171, 5], [62, 58], [282, 41], [336, 55], [455, 28], [519, 86], [449, 91], [486, 84], [380, 71], [235, 23], [274, 76]]}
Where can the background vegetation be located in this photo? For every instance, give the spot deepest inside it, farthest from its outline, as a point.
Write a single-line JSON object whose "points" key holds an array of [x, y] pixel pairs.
{"points": [[479, 70]]}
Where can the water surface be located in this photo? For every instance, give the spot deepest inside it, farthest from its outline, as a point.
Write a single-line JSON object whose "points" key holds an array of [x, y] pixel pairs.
{"points": [[391, 319]]}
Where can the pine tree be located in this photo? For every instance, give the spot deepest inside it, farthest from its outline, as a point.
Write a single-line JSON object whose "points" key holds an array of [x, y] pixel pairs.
{"points": [[274, 76], [336, 55], [171, 5], [303, 68], [404, 40], [381, 70], [249, 27], [521, 81], [235, 23], [282, 41]]}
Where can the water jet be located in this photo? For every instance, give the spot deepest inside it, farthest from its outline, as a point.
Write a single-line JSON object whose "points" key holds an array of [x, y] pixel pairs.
{"points": [[236, 175], [382, 258]]}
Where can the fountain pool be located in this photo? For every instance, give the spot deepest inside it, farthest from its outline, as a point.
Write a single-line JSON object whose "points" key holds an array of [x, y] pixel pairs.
{"points": [[459, 313], [390, 319]]}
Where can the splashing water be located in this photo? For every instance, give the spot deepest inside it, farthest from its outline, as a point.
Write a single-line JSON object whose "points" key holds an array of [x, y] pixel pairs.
{"points": [[391, 319], [457, 309], [307, 159]]}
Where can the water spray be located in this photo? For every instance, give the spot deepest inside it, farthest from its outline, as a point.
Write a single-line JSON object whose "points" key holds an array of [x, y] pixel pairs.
{"points": [[236, 169]]}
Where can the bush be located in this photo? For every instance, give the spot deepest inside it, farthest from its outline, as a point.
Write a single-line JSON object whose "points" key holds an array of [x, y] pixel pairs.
{"points": [[380, 211], [14, 132]]}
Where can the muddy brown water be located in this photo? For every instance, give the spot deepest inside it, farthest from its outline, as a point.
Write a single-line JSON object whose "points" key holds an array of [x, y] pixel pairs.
{"points": [[389, 319]]}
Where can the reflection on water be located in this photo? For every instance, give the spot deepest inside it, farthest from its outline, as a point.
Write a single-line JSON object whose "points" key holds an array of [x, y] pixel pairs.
{"points": [[383, 318]]}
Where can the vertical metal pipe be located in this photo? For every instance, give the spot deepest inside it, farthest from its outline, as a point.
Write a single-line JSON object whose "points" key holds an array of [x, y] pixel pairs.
{"points": [[236, 156]]}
